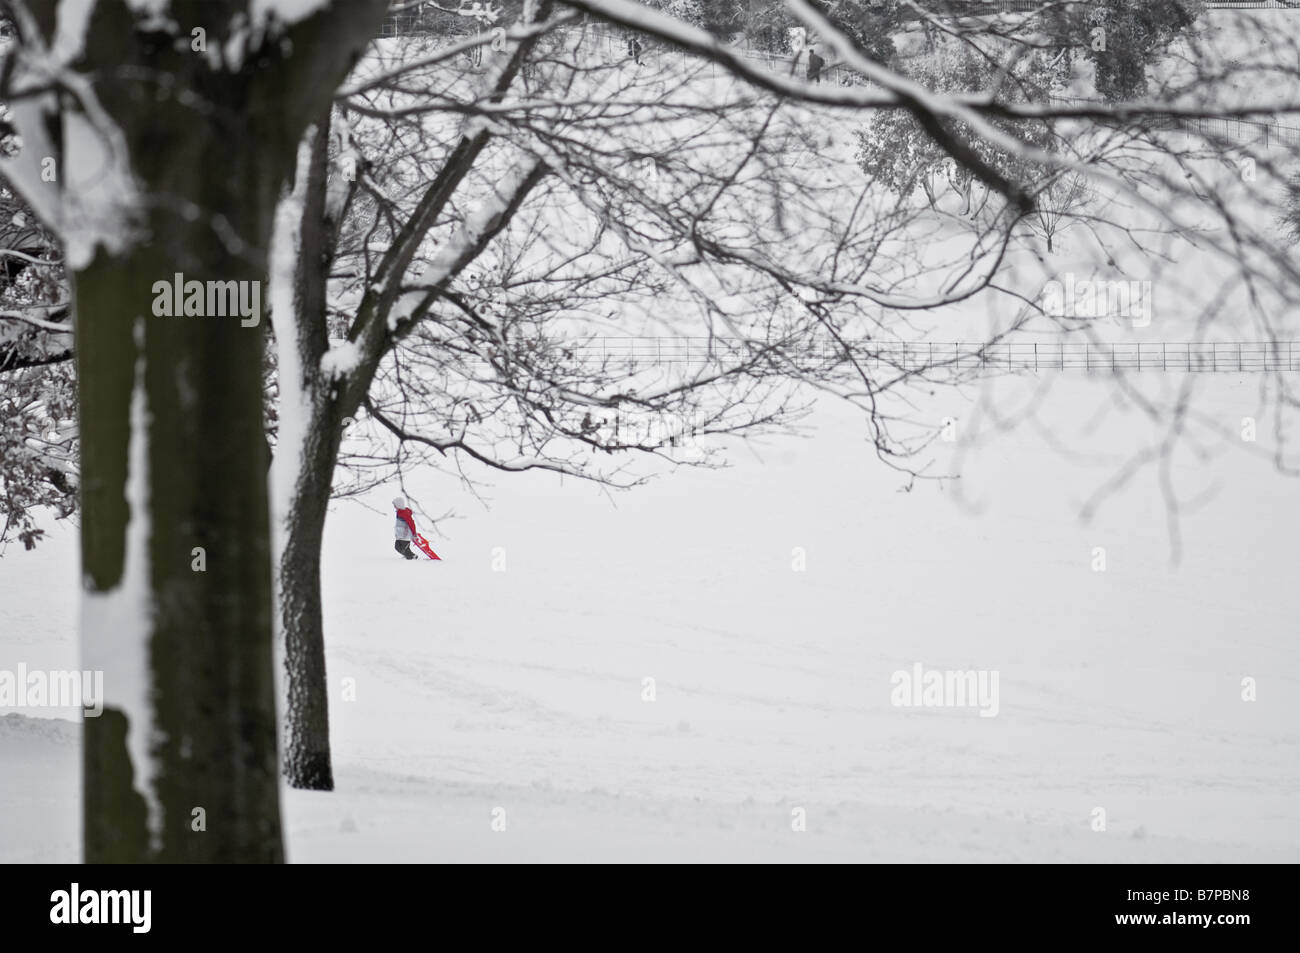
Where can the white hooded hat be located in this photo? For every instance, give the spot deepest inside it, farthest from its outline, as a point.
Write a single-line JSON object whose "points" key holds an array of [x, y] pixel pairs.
{"points": [[399, 502]]}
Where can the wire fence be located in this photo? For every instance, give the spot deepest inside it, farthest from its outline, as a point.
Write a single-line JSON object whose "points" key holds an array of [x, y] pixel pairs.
{"points": [[939, 357], [1245, 131]]}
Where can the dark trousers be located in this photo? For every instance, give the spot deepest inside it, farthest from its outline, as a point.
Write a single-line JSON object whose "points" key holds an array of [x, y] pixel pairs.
{"points": [[403, 546]]}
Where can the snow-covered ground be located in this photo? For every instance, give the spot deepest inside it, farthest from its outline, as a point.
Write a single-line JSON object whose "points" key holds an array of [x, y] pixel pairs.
{"points": [[507, 682]]}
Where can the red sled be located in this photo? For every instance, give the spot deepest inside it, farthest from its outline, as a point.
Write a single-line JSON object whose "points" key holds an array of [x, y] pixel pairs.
{"points": [[424, 546]]}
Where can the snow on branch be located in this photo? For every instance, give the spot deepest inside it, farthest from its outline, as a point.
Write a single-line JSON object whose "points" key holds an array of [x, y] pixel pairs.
{"points": [[892, 89], [468, 241], [42, 323]]}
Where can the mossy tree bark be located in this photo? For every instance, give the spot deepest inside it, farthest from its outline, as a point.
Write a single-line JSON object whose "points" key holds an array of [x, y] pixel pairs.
{"points": [[171, 416]]}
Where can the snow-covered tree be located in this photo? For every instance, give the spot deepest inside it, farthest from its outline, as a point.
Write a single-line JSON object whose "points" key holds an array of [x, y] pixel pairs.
{"points": [[897, 151], [155, 141], [1125, 39], [445, 337], [472, 225], [1061, 198], [38, 449], [1289, 218], [687, 11], [449, 295]]}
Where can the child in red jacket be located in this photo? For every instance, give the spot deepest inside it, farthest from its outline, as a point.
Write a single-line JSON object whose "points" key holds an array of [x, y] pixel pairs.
{"points": [[404, 529]]}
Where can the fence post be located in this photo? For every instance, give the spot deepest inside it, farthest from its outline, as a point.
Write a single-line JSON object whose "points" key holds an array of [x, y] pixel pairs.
{"points": [[1035, 357]]}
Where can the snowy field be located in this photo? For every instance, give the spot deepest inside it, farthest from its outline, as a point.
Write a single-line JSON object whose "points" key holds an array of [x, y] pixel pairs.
{"points": [[507, 682]]}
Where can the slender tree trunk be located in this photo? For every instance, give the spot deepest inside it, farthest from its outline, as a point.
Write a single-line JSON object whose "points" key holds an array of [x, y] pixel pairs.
{"points": [[303, 471], [306, 719], [929, 190]]}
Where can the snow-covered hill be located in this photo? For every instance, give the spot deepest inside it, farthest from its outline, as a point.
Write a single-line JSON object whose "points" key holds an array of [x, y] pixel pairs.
{"points": [[508, 681]]}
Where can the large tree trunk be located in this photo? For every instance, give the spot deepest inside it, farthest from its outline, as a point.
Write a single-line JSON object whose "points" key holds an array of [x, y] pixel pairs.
{"points": [[171, 433], [189, 151]]}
